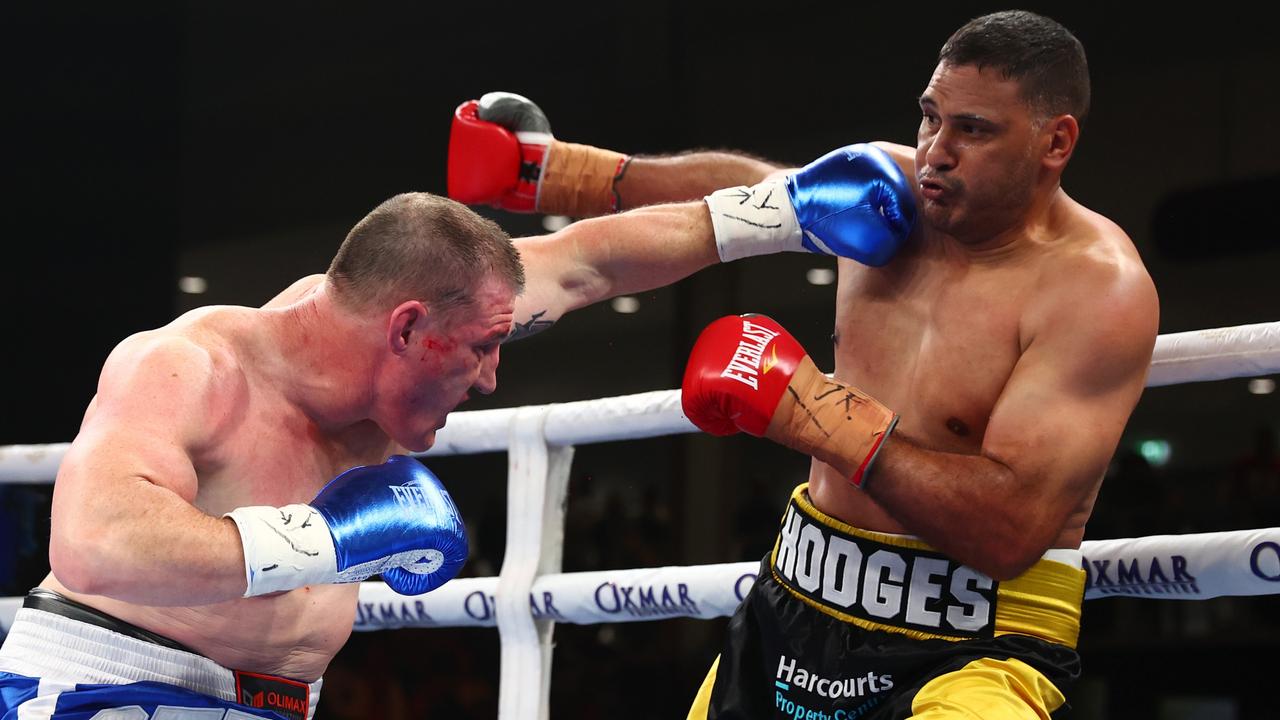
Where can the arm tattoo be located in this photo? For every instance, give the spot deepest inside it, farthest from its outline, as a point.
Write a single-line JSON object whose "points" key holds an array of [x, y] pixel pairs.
{"points": [[535, 325]]}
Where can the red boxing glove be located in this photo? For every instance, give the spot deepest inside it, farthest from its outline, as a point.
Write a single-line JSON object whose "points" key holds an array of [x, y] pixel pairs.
{"points": [[502, 153], [746, 373], [731, 384], [496, 151]]}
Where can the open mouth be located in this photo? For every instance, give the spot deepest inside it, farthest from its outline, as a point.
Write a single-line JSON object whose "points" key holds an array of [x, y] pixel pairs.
{"points": [[933, 190]]}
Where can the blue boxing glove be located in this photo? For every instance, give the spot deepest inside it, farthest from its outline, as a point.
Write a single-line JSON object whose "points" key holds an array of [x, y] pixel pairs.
{"points": [[854, 202], [394, 518]]}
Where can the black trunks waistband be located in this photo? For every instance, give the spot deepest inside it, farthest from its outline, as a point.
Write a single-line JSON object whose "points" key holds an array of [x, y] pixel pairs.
{"points": [[55, 603], [882, 581]]}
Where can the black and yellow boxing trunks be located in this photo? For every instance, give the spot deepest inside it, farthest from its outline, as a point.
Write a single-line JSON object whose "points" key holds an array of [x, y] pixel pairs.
{"points": [[847, 624]]}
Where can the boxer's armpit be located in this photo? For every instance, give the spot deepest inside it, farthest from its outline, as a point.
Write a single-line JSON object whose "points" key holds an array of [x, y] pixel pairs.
{"points": [[534, 325]]}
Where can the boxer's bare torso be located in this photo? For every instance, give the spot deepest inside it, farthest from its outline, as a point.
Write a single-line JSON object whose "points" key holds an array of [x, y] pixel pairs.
{"points": [[936, 335], [260, 449]]}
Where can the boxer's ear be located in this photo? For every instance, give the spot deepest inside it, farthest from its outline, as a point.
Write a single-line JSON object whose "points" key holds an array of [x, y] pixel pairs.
{"points": [[406, 318], [1060, 135]]}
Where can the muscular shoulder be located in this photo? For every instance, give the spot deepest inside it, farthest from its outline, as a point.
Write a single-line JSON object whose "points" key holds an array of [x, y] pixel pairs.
{"points": [[146, 355], [1095, 294], [904, 155], [186, 372]]}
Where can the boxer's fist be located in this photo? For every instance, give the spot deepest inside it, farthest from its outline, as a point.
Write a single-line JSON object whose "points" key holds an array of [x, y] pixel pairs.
{"points": [[738, 370], [497, 148], [395, 519], [746, 373], [853, 202], [501, 153]]}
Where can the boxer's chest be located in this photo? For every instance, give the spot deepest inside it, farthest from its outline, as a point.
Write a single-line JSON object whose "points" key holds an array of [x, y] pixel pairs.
{"points": [[274, 456], [936, 345]]}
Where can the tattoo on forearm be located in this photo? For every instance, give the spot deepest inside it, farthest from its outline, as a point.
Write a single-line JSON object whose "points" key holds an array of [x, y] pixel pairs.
{"points": [[534, 326]]}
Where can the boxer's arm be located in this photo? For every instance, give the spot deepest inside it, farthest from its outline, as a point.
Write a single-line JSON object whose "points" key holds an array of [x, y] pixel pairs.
{"points": [[691, 175], [853, 202], [1048, 442], [687, 176], [123, 522], [596, 259]]}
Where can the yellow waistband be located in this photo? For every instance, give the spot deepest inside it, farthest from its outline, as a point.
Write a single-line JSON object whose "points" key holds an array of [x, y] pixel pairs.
{"points": [[898, 583]]}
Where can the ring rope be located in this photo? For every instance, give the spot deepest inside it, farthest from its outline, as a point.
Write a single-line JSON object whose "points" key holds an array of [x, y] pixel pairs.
{"points": [[1164, 567], [1141, 565], [1161, 567], [1195, 356]]}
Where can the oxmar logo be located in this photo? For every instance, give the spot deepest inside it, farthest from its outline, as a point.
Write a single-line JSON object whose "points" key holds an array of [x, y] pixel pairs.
{"points": [[791, 678], [1133, 576]]}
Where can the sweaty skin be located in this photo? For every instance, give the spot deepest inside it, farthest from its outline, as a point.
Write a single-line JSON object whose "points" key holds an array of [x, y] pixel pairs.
{"points": [[228, 407], [1012, 334]]}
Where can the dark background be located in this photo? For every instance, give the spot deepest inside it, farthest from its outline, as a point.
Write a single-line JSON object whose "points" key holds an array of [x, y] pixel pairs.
{"points": [[239, 142]]}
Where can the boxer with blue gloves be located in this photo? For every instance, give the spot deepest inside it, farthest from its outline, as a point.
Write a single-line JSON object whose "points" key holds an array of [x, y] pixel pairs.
{"points": [[240, 470]]}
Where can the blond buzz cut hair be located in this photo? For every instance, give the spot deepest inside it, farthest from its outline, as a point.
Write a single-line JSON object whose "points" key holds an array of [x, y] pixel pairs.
{"points": [[419, 246]]}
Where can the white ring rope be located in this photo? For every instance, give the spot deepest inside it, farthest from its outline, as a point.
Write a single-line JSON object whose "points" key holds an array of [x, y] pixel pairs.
{"points": [[539, 441], [1166, 567], [1195, 356], [1215, 354]]}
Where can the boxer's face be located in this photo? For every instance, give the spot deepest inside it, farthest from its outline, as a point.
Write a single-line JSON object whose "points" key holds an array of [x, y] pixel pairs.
{"points": [[976, 152], [453, 354]]}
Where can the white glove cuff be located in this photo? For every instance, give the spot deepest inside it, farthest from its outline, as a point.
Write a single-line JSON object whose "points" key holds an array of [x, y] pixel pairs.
{"points": [[756, 220], [284, 548]]}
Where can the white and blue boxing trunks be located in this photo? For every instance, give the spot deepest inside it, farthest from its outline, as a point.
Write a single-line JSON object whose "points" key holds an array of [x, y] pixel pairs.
{"points": [[55, 667]]}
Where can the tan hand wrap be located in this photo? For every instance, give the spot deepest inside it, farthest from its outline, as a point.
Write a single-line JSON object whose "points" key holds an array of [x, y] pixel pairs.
{"points": [[577, 180], [831, 421]]}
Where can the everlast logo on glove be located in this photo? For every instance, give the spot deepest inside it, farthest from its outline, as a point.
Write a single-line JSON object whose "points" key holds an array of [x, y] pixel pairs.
{"points": [[883, 584], [287, 698], [745, 365]]}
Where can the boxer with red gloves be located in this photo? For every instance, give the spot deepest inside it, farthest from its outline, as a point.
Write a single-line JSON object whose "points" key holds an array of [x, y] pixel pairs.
{"points": [[747, 374], [1012, 329]]}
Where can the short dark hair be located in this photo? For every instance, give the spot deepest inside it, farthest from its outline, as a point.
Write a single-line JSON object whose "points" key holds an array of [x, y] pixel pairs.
{"points": [[424, 247], [1042, 55]]}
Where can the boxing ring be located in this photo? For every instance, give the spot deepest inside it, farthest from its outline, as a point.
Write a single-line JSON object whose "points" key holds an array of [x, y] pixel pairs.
{"points": [[531, 594]]}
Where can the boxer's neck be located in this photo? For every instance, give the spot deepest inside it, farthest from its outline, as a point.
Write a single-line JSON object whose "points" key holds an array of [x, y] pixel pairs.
{"points": [[1039, 224], [321, 356]]}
